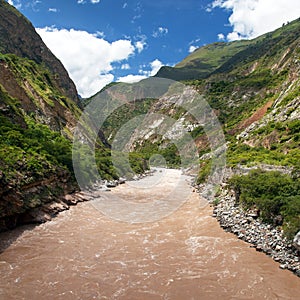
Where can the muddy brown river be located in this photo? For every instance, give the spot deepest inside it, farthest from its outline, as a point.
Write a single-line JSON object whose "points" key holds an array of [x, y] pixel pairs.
{"points": [[84, 253]]}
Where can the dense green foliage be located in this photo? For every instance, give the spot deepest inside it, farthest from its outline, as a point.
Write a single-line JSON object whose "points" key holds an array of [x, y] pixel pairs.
{"points": [[205, 169], [278, 143], [28, 73], [273, 194], [33, 151], [160, 154]]}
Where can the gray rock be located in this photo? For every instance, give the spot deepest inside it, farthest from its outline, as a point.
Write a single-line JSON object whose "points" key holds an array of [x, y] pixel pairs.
{"points": [[296, 241], [111, 184]]}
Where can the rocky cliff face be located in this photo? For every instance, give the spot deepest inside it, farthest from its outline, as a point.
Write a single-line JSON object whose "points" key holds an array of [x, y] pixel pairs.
{"points": [[38, 113], [253, 89], [18, 36]]}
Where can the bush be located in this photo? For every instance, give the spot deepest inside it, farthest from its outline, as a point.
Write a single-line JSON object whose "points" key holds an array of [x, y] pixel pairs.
{"points": [[273, 193]]}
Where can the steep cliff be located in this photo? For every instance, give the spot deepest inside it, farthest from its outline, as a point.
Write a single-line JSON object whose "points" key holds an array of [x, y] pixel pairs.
{"points": [[253, 88], [38, 113], [18, 36]]}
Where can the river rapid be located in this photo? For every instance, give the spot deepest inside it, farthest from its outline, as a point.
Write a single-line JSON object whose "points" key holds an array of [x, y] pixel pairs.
{"points": [[85, 254]]}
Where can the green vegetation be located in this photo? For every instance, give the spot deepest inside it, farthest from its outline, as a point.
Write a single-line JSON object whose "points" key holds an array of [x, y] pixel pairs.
{"points": [[278, 143], [240, 80], [37, 81], [223, 58], [203, 61], [273, 194], [29, 154], [164, 153], [205, 169], [124, 114]]}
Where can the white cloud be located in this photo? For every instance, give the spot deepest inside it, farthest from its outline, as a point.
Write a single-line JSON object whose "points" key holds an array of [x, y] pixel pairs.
{"points": [[125, 67], [221, 37], [91, 1], [193, 45], [154, 66], [140, 45], [17, 4], [161, 31], [53, 10], [131, 78], [251, 18], [87, 57], [192, 48], [234, 36]]}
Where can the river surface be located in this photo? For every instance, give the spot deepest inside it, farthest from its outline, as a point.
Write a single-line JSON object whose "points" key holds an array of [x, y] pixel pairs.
{"points": [[85, 254]]}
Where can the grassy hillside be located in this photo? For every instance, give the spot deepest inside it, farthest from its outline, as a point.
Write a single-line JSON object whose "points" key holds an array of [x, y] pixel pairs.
{"points": [[223, 57]]}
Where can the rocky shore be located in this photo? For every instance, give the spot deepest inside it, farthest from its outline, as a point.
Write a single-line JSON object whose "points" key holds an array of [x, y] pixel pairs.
{"points": [[263, 237], [49, 210]]}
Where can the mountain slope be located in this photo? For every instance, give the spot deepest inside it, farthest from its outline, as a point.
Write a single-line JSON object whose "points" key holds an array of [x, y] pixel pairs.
{"points": [[203, 61], [38, 114], [18, 36], [253, 89], [222, 57]]}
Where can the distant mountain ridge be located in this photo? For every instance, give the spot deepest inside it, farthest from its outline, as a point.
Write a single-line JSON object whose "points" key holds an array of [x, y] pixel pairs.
{"points": [[221, 56]]}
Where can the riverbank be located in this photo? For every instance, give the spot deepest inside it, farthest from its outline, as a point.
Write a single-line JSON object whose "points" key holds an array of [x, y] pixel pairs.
{"points": [[85, 254], [57, 204], [263, 237]]}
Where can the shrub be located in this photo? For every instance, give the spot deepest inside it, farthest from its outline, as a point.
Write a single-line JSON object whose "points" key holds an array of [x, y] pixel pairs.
{"points": [[273, 193]]}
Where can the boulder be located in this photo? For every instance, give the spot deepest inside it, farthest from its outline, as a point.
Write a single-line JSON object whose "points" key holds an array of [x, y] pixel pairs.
{"points": [[111, 184], [296, 241]]}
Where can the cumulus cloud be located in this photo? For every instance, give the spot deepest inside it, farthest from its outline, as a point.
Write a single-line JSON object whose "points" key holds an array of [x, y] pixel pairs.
{"points": [[221, 37], [131, 78], [161, 31], [154, 66], [17, 3], [251, 18], [87, 57], [192, 48]]}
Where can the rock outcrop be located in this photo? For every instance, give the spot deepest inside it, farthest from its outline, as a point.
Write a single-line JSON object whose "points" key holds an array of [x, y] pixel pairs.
{"points": [[18, 36], [296, 241]]}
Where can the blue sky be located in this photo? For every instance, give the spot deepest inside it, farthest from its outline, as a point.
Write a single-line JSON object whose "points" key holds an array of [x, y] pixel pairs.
{"points": [[126, 40]]}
